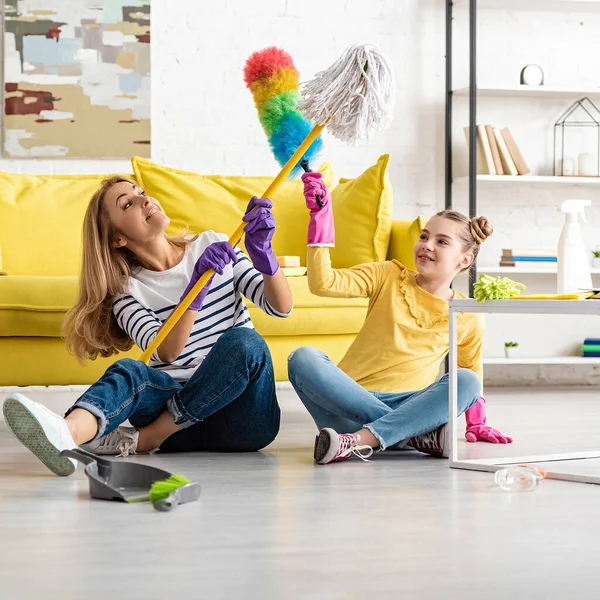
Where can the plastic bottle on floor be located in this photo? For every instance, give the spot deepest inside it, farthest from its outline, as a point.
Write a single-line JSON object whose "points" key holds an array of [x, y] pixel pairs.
{"points": [[521, 478]]}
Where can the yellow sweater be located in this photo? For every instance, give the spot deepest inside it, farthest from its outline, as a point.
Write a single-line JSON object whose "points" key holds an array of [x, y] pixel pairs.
{"points": [[405, 334]]}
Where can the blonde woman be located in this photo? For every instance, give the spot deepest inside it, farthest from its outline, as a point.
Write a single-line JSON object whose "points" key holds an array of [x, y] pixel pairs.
{"points": [[384, 393], [210, 385]]}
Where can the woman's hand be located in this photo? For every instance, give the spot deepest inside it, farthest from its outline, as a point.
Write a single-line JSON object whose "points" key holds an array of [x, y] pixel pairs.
{"points": [[216, 256], [259, 232], [321, 231]]}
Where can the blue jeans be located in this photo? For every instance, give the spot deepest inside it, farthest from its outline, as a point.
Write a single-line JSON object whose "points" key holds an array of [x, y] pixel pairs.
{"points": [[228, 405], [335, 400]]}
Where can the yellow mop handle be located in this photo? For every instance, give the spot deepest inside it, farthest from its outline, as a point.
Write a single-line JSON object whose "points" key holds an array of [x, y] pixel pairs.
{"points": [[234, 240]]}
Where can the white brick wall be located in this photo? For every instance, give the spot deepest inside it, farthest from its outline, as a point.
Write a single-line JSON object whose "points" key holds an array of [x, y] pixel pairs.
{"points": [[204, 118]]}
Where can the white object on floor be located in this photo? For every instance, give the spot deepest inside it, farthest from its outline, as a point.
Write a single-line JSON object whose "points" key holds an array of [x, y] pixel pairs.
{"points": [[40, 430], [549, 307]]}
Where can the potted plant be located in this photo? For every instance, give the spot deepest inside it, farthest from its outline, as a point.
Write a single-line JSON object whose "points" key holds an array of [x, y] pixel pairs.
{"points": [[510, 349], [596, 258]]}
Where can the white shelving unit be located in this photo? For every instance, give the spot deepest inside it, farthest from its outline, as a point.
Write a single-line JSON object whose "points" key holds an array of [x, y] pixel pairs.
{"points": [[525, 91], [551, 5], [543, 360], [530, 180], [515, 271]]}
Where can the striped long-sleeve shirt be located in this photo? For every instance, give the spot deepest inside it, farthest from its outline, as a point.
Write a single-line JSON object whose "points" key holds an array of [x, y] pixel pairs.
{"points": [[151, 296]]}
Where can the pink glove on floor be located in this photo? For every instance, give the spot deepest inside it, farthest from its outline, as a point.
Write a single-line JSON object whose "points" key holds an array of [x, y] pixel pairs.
{"points": [[477, 430], [321, 231]]}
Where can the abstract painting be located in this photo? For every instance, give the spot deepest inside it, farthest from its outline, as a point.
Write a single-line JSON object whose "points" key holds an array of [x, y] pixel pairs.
{"points": [[76, 78]]}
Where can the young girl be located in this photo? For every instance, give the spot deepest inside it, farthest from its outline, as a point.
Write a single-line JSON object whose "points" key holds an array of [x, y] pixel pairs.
{"points": [[384, 393], [210, 385]]}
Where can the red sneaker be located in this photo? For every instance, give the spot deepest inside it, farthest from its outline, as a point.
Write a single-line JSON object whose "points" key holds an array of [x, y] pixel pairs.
{"points": [[435, 443], [331, 446]]}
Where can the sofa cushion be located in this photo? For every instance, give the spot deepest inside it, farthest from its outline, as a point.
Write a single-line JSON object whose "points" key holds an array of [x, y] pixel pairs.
{"points": [[218, 202], [362, 209], [36, 307], [40, 222]]}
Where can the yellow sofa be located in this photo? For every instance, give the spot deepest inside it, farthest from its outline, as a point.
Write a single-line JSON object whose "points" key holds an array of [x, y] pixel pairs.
{"points": [[40, 248]]}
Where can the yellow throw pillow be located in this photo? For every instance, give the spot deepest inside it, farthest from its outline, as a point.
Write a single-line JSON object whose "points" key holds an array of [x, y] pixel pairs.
{"points": [[362, 210], [218, 202], [1, 271], [41, 217]]}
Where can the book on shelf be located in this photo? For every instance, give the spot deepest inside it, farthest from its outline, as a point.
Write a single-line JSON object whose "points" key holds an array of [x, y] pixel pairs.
{"points": [[549, 266], [529, 259], [528, 252], [497, 152], [482, 168], [507, 162], [515, 153], [487, 149]]}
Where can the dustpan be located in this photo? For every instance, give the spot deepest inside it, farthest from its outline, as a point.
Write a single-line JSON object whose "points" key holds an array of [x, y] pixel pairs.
{"points": [[127, 481]]}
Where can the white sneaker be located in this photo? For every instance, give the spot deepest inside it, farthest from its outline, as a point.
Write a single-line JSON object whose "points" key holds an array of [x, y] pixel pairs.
{"points": [[40, 430], [122, 441]]}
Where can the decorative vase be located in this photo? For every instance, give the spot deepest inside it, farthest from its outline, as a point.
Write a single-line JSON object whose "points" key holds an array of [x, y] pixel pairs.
{"points": [[511, 351], [596, 262]]}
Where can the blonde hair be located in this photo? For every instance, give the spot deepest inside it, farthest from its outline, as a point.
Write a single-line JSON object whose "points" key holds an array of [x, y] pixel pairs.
{"points": [[474, 231], [90, 328]]}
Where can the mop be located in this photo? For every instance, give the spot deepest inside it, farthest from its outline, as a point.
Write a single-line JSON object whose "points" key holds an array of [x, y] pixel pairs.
{"points": [[352, 98]]}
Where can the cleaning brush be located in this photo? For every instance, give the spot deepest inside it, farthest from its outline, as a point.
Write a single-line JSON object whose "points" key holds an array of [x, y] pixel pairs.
{"points": [[273, 79]]}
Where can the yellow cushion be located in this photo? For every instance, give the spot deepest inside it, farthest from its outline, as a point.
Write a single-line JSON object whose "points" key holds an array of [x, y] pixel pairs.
{"points": [[36, 307], [403, 238], [218, 202], [40, 222], [362, 210], [1, 271]]}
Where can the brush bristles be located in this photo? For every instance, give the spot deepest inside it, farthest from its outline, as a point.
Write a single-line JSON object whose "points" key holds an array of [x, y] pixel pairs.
{"points": [[162, 489], [273, 79], [354, 96]]}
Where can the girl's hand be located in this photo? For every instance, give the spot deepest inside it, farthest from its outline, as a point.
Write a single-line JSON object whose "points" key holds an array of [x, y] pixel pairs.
{"points": [[314, 186], [259, 232], [485, 433], [216, 256], [321, 230], [477, 430]]}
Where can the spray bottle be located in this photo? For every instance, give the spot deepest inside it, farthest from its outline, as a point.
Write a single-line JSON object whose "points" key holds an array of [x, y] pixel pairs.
{"points": [[573, 268]]}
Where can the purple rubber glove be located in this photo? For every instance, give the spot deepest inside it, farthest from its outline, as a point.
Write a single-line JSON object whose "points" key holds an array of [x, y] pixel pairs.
{"points": [[259, 233], [321, 231], [216, 256], [477, 430]]}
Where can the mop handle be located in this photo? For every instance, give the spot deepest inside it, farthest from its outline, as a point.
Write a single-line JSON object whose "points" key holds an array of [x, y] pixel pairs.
{"points": [[234, 240]]}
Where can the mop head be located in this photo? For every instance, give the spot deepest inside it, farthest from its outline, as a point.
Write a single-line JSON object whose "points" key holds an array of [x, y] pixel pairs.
{"points": [[161, 490], [273, 79], [496, 288], [354, 97]]}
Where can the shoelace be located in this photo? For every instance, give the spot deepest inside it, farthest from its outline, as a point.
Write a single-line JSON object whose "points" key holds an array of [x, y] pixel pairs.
{"points": [[348, 447], [428, 441], [125, 445]]}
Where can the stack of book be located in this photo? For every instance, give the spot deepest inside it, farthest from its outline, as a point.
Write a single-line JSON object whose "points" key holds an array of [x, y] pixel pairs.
{"points": [[591, 347], [497, 152], [528, 258]]}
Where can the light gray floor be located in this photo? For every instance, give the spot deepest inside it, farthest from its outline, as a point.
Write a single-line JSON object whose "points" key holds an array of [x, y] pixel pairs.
{"points": [[272, 525]]}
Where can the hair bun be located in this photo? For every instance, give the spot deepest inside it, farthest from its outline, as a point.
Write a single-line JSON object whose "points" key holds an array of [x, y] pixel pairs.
{"points": [[481, 229]]}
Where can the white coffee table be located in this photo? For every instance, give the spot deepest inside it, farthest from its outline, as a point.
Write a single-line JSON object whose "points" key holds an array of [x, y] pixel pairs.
{"points": [[537, 307]]}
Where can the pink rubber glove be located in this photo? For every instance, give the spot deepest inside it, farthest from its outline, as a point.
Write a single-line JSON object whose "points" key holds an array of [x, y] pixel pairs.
{"points": [[477, 430], [321, 231]]}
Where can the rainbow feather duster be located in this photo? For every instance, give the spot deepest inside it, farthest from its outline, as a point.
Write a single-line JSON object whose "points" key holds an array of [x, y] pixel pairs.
{"points": [[273, 79]]}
